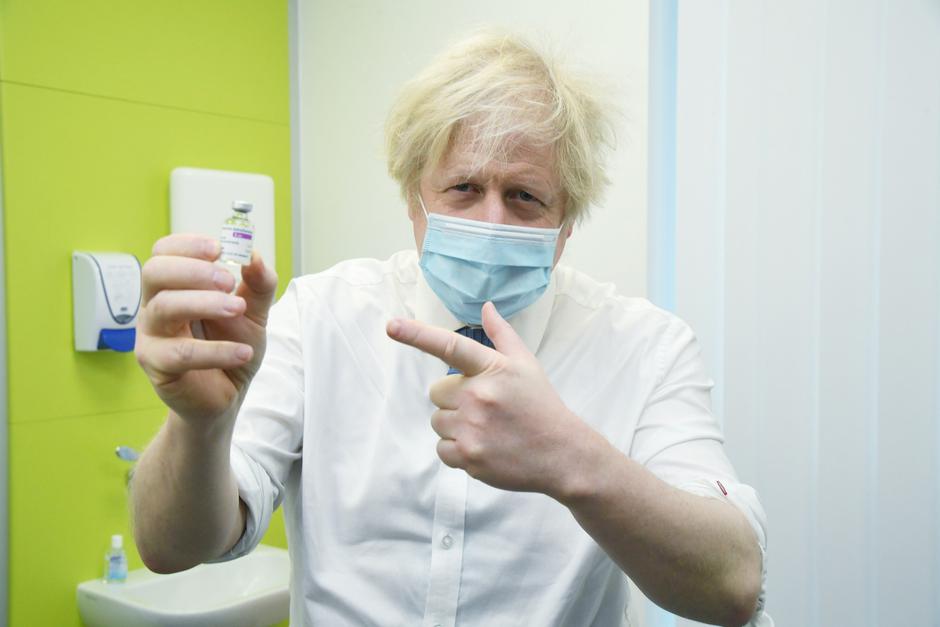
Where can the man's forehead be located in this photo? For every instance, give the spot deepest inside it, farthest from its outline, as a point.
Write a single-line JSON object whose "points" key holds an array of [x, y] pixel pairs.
{"points": [[521, 160]]}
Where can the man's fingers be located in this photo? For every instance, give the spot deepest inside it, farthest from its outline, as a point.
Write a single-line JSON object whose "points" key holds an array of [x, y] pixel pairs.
{"points": [[452, 348], [447, 451], [444, 423], [169, 309], [188, 245], [163, 272], [444, 391], [174, 356]]}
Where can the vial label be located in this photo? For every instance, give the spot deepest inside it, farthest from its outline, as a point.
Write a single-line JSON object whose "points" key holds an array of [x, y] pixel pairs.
{"points": [[236, 244]]}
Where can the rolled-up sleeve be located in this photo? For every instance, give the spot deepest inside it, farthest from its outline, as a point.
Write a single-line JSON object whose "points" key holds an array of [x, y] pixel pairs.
{"points": [[268, 432], [679, 440]]}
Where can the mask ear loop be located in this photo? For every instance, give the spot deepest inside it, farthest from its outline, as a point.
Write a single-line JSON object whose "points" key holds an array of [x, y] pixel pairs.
{"points": [[423, 208]]}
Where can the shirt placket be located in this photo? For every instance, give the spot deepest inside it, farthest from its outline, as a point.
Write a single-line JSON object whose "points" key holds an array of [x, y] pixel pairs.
{"points": [[450, 505]]}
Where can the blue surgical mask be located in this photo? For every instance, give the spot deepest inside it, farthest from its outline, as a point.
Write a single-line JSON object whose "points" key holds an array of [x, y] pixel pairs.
{"points": [[468, 262]]}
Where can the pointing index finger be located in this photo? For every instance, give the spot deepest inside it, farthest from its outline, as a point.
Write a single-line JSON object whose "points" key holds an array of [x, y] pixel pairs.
{"points": [[454, 349]]}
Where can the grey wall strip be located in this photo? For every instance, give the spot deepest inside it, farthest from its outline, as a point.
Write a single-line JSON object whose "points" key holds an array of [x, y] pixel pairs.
{"points": [[293, 28], [661, 184], [4, 433], [661, 188]]}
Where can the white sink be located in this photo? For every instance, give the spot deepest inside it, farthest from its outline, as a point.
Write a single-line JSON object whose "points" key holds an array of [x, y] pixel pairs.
{"points": [[251, 591]]}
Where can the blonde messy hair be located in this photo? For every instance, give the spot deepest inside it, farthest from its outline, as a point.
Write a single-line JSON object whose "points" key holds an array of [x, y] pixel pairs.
{"points": [[497, 91]]}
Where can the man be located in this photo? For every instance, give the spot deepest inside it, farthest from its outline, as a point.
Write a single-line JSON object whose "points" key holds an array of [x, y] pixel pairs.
{"points": [[546, 437]]}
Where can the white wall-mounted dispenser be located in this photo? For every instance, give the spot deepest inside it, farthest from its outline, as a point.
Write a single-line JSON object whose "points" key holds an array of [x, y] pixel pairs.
{"points": [[105, 300]]}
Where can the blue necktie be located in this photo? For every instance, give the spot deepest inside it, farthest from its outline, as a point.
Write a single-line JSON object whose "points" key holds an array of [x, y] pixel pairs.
{"points": [[474, 333]]}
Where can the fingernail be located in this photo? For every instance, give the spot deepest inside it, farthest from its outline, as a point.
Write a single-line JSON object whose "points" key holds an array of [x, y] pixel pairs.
{"points": [[393, 327], [222, 280], [233, 304], [243, 352]]}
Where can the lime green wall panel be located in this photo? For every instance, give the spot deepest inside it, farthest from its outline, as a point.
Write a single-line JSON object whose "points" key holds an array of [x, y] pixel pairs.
{"points": [[99, 101], [92, 174], [69, 497], [223, 56]]}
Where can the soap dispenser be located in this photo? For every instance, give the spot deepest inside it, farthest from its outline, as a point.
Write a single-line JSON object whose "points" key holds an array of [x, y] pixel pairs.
{"points": [[115, 561], [106, 291]]}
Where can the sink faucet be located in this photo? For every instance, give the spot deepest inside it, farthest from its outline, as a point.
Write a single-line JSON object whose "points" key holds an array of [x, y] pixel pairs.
{"points": [[129, 455]]}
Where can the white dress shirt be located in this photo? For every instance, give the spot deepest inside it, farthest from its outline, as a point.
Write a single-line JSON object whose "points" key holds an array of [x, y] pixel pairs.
{"points": [[336, 425]]}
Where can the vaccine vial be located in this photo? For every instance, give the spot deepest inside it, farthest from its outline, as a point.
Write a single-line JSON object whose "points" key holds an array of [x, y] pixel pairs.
{"points": [[238, 235]]}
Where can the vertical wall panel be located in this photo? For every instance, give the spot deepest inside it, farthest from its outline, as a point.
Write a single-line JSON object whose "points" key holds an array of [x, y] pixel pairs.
{"points": [[784, 294], [847, 282], [827, 140], [743, 103], [700, 121], [910, 166]]}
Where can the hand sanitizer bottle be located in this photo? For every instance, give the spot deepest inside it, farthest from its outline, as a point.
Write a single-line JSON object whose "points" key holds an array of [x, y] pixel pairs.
{"points": [[116, 561], [238, 235]]}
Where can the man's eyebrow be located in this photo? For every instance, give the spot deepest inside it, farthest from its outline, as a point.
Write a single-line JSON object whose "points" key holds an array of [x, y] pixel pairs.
{"points": [[444, 180], [458, 175], [525, 180], [532, 179]]}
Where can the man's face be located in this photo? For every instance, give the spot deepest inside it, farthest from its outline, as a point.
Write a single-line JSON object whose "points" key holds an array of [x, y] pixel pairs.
{"points": [[523, 190]]}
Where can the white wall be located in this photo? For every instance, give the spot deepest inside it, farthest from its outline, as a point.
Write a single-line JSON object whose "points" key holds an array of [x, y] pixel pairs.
{"points": [[353, 57], [808, 213]]}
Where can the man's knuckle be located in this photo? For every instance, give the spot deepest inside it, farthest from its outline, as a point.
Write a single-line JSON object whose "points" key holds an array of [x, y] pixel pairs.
{"points": [[184, 352], [436, 422], [157, 308], [450, 348], [141, 354], [483, 394], [471, 449]]}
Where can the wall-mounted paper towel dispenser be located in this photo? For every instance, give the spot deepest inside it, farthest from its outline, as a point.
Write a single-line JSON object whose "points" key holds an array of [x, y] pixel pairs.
{"points": [[105, 299]]}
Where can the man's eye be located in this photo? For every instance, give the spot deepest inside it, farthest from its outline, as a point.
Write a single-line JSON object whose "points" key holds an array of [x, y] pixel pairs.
{"points": [[527, 197], [463, 187]]}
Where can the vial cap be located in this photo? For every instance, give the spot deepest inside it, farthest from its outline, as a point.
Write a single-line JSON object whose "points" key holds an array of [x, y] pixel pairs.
{"points": [[117, 541], [242, 205]]}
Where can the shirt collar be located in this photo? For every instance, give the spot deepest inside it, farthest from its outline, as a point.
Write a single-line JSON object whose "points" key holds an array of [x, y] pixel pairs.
{"points": [[530, 323]]}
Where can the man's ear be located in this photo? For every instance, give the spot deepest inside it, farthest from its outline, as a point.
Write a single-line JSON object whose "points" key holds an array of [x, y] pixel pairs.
{"points": [[412, 205], [411, 199]]}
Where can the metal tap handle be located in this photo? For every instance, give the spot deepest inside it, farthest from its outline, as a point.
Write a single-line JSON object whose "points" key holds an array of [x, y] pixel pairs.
{"points": [[127, 453]]}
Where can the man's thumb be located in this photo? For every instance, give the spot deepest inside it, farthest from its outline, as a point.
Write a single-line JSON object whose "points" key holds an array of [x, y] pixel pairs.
{"points": [[258, 287], [504, 337]]}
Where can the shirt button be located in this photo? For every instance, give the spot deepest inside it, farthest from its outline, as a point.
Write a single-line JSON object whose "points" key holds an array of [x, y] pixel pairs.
{"points": [[447, 541]]}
